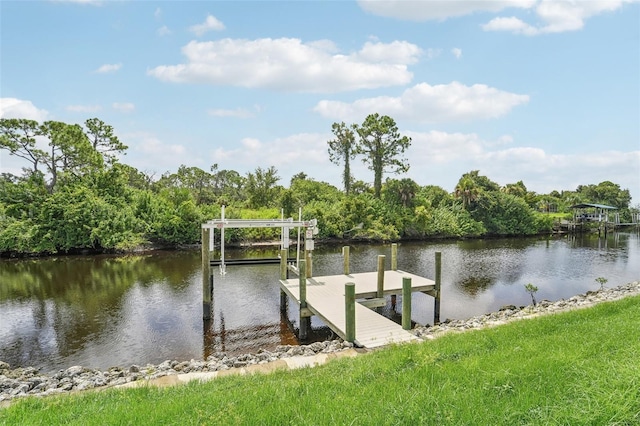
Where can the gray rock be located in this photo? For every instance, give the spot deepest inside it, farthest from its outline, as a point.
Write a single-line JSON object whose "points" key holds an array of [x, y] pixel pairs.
{"points": [[295, 351], [508, 308], [182, 366], [166, 365], [21, 389], [66, 386], [76, 370]]}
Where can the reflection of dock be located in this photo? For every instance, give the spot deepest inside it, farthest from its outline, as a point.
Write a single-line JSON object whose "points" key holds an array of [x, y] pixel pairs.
{"points": [[245, 339], [325, 298]]}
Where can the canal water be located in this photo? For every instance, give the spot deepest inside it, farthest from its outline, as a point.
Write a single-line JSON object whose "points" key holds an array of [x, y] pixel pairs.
{"points": [[104, 311]]}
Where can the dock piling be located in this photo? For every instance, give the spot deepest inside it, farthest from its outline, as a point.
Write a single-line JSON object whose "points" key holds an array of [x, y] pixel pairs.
{"points": [[309, 258], [394, 267], [207, 277], [304, 320], [436, 303], [406, 303], [345, 260], [394, 257], [284, 273], [380, 290], [283, 264], [350, 311]]}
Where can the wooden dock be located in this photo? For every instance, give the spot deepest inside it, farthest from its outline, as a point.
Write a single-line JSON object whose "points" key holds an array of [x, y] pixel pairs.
{"points": [[325, 297], [342, 302]]}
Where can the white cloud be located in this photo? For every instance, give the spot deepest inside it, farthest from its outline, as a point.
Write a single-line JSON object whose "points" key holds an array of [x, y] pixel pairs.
{"points": [[153, 146], [437, 9], [441, 147], [163, 31], [19, 108], [457, 52], [251, 144], [107, 68], [304, 151], [556, 16], [553, 16], [83, 108], [158, 13], [123, 106], [289, 64], [149, 153], [209, 24], [396, 52], [426, 103], [512, 24]]}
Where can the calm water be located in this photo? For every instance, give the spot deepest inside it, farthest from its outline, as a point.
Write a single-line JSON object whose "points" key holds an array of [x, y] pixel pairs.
{"points": [[105, 311]]}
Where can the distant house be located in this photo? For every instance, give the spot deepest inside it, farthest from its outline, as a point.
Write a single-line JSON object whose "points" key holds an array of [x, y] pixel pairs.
{"points": [[587, 212]]}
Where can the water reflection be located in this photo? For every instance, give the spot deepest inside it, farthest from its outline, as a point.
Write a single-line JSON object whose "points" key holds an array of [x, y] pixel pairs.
{"points": [[105, 310], [475, 285]]}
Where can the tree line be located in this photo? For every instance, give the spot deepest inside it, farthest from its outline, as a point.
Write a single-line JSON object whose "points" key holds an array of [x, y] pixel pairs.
{"points": [[75, 194]]}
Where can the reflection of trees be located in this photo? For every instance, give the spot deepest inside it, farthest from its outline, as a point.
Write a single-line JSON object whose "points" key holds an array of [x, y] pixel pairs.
{"points": [[103, 278], [498, 243], [611, 240], [66, 301], [474, 285]]}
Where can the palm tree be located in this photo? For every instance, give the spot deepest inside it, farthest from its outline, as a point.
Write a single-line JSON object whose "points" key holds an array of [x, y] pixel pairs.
{"points": [[467, 190]]}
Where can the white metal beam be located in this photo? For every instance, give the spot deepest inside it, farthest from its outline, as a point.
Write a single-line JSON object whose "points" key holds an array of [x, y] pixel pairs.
{"points": [[258, 223]]}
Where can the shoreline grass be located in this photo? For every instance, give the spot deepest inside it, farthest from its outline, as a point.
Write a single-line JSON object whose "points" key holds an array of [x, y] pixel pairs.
{"points": [[580, 367]]}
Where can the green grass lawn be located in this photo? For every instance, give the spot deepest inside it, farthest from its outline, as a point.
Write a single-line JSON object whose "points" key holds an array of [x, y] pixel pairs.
{"points": [[574, 368]]}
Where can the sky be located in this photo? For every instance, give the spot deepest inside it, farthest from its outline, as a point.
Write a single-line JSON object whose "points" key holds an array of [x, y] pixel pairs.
{"points": [[546, 92]]}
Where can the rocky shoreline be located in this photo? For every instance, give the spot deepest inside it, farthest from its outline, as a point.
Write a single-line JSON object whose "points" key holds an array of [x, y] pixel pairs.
{"points": [[21, 382], [512, 313]]}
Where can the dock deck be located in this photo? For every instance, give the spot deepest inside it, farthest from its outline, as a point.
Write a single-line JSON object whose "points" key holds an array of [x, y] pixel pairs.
{"points": [[325, 298]]}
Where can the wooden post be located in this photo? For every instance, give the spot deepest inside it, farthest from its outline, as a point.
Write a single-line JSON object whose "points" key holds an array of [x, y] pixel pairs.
{"points": [[302, 279], [345, 260], [350, 311], [394, 257], [309, 258], [304, 323], [207, 278], [380, 291], [406, 303], [436, 305], [283, 276], [283, 264]]}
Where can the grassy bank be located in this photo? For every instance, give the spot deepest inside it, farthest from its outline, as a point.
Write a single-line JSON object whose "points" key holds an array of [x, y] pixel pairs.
{"points": [[578, 368]]}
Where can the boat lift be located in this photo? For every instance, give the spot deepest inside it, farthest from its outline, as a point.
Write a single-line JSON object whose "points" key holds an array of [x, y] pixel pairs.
{"points": [[285, 225]]}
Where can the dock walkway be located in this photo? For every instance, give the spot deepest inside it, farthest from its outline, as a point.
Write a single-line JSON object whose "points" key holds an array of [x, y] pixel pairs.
{"points": [[326, 296]]}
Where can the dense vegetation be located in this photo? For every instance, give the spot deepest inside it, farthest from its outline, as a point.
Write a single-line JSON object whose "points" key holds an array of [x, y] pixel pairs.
{"points": [[573, 368], [75, 194]]}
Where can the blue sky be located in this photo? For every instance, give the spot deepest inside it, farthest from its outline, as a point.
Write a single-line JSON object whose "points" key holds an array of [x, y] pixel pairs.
{"points": [[547, 92]]}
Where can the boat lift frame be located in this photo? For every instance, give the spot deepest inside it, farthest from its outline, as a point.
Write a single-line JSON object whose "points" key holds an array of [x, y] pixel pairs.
{"points": [[310, 226]]}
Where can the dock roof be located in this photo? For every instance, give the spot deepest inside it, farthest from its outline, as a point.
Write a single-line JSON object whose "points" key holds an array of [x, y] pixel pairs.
{"points": [[595, 206]]}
